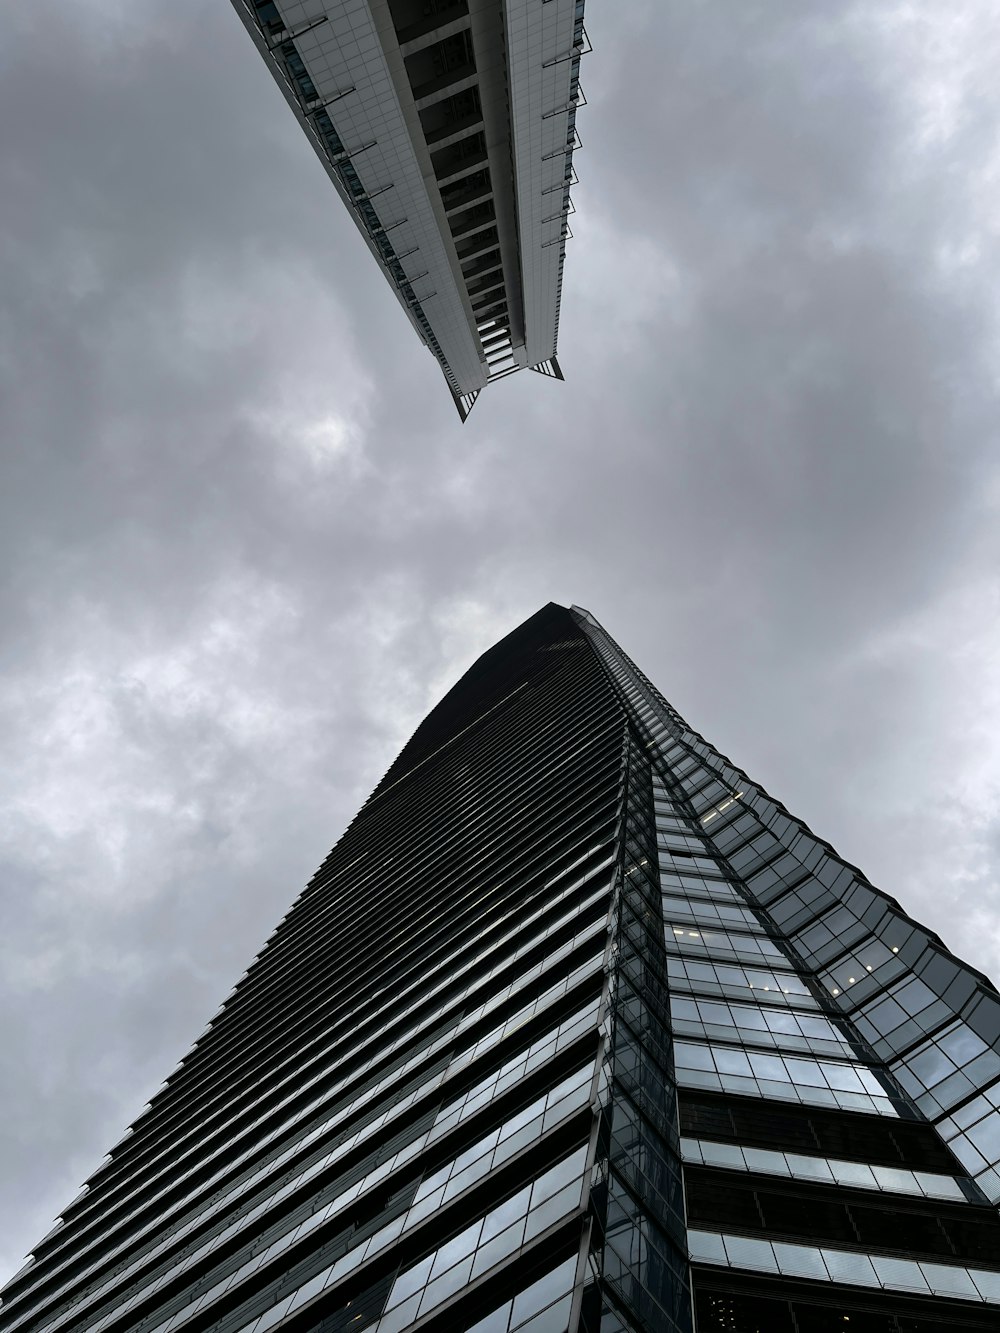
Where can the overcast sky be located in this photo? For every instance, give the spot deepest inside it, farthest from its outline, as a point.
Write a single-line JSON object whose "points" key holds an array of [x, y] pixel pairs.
{"points": [[246, 542]]}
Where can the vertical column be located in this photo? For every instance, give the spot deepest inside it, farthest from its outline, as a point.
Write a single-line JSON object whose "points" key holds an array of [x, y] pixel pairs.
{"points": [[640, 1250]]}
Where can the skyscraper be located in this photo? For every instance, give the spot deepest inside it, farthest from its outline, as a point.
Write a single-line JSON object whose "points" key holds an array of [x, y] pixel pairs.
{"points": [[576, 1028], [448, 129]]}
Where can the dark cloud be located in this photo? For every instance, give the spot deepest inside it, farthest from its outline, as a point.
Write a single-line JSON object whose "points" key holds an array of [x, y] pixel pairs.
{"points": [[246, 543]]}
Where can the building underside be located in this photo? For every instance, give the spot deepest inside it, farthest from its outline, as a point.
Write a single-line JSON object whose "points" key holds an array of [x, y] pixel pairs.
{"points": [[448, 129]]}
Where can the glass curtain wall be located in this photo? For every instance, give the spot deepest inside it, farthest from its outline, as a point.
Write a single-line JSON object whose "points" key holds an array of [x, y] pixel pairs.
{"points": [[392, 1122], [836, 1067]]}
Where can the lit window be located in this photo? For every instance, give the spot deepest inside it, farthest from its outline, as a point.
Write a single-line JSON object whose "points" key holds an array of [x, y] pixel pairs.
{"points": [[723, 805]]}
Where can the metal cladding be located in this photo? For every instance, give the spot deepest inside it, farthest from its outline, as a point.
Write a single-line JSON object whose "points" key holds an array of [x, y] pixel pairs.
{"points": [[448, 128], [576, 1030]]}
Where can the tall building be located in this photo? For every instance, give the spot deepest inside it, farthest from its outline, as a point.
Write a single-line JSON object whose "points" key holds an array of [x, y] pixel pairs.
{"points": [[576, 1028], [448, 129]]}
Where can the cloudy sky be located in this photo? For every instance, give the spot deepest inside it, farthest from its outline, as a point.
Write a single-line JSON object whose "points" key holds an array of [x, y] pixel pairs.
{"points": [[246, 543]]}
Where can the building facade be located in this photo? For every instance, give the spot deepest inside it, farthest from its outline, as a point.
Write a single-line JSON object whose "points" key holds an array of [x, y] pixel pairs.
{"points": [[575, 1029], [448, 129]]}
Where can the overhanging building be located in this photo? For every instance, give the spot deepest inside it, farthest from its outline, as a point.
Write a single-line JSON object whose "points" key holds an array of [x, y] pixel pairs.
{"points": [[448, 129], [576, 1028]]}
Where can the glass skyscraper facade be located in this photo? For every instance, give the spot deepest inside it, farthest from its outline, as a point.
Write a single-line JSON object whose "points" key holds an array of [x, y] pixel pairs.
{"points": [[576, 1028]]}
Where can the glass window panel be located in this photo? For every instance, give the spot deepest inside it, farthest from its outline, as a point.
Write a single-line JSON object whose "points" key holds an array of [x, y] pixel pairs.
{"points": [[729, 1061], [432, 1182], [986, 1137], [984, 1068], [522, 1118], [272, 1316], [962, 1044], [706, 1247], [495, 1322], [552, 1209], [492, 1251], [780, 1021], [899, 1273], [880, 1019], [700, 971], [699, 1078], [411, 1280], [809, 1168], [727, 1155], [845, 1077], [752, 1020], [869, 1080], [984, 1018], [952, 1090], [756, 1255], [989, 1183], [505, 1214], [938, 1187], [734, 913], [930, 1066], [769, 1067], [689, 1056], [913, 995], [814, 938], [786, 982], [946, 1280], [456, 1248], [760, 1159], [988, 1284], [559, 1175], [806, 1072], [970, 1158], [854, 1173], [403, 1315], [968, 1114], [853, 1268], [543, 1292], [895, 1178], [554, 1319], [873, 953], [473, 1153], [810, 1026], [800, 1261], [737, 1083], [440, 1288]]}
